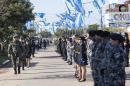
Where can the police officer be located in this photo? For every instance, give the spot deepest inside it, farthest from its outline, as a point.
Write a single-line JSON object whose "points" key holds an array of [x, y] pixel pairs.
{"points": [[15, 52]]}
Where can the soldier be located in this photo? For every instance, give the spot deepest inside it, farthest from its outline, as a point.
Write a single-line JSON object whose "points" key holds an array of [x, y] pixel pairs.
{"points": [[23, 59], [28, 52], [90, 42], [95, 58], [64, 46], [106, 39], [59, 47], [15, 52], [126, 49], [33, 46], [44, 44], [114, 72]]}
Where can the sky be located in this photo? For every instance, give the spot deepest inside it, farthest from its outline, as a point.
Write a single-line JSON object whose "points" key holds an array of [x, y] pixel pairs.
{"points": [[53, 7]]}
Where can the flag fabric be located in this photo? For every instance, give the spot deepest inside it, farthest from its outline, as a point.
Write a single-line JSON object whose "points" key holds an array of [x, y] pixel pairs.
{"points": [[29, 24], [77, 4], [60, 16], [99, 3], [96, 5], [40, 15], [79, 21], [103, 1], [68, 9]]}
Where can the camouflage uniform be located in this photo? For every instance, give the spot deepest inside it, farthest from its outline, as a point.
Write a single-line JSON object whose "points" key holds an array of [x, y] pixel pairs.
{"points": [[103, 61], [23, 54], [94, 63], [15, 51], [96, 59], [114, 68]]}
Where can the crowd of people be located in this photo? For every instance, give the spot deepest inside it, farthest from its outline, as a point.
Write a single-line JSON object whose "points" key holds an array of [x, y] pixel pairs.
{"points": [[106, 53], [22, 49]]}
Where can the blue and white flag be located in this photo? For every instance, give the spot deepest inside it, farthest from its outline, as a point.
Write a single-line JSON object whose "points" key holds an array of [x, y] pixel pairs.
{"points": [[46, 24], [96, 4], [79, 21], [40, 15], [68, 9], [103, 1], [29, 25], [77, 4]]}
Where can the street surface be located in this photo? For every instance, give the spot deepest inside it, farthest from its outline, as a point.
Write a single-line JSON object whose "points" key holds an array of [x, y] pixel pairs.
{"points": [[47, 69]]}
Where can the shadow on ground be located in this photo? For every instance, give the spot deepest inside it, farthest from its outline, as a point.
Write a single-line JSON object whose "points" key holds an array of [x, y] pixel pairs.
{"points": [[58, 76], [52, 57]]}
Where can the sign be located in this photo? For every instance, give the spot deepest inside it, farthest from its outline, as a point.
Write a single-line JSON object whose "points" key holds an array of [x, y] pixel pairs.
{"points": [[119, 7], [119, 19], [119, 24], [119, 15]]}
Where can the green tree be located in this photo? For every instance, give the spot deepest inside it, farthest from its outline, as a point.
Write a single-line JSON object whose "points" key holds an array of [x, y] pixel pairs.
{"points": [[45, 34], [60, 32], [93, 27], [14, 16]]}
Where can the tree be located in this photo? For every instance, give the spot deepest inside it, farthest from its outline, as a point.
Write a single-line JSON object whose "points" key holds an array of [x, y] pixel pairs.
{"points": [[60, 32], [16, 14], [45, 34], [68, 33], [93, 27]]}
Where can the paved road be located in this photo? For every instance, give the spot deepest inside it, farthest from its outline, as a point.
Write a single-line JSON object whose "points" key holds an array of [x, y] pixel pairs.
{"points": [[47, 69]]}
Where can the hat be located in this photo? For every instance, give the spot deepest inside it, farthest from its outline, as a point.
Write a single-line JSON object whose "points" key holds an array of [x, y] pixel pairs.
{"points": [[92, 33], [99, 33], [106, 34], [118, 37]]}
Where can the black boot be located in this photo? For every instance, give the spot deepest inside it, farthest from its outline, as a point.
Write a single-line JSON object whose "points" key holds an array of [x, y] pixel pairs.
{"points": [[15, 72], [19, 70]]}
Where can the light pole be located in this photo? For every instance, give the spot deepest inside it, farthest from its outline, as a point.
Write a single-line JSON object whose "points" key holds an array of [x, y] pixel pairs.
{"points": [[101, 18]]}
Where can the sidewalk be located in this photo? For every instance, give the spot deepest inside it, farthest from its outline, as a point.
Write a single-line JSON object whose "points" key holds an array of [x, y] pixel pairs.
{"points": [[47, 69]]}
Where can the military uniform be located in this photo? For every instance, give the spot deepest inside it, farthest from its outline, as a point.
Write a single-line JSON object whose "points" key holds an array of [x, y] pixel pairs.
{"points": [[23, 54], [113, 65], [95, 63], [115, 68], [15, 51], [33, 46], [64, 46]]}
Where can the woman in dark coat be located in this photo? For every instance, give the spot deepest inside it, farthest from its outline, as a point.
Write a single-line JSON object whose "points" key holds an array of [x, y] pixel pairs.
{"points": [[82, 59]]}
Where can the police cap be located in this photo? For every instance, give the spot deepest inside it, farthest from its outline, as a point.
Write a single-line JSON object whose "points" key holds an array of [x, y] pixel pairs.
{"points": [[116, 36], [99, 33]]}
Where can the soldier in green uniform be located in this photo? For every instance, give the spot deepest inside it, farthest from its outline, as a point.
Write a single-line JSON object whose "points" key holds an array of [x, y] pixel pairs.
{"points": [[15, 52], [23, 58]]}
